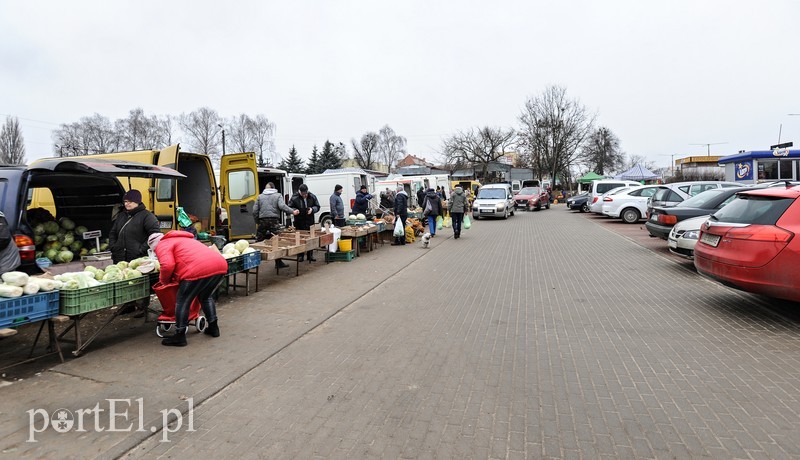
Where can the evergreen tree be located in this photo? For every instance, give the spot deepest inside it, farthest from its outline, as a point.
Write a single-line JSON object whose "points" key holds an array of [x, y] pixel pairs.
{"points": [[330, 158], [314, 162], [293, 163]]}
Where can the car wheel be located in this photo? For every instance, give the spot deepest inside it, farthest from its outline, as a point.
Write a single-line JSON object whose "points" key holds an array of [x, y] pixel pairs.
{"points": [[630, 216], [547, 206], [513, 210], [505, 213], [476, 217], [585, 208]]}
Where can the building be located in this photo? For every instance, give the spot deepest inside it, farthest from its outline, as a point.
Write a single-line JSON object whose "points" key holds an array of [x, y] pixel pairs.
{"points": [[352, 163], [411, 160], [762, 166], [699, 166]]}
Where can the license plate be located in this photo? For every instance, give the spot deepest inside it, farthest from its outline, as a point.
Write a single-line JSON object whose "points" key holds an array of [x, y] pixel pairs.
{"points": [[672, 243], [487, 211], [164, 224], [709, 239]]}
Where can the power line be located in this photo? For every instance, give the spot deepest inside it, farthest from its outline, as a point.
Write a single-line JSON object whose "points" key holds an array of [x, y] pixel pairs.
{"points": [[709, 144]]}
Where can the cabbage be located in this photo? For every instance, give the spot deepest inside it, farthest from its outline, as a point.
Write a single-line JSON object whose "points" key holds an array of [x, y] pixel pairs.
{"points": [[51, 254], [30, 289], [99, 274], [38, 239], [130, 274], [15, 278], [38, 229], [112, 268], [7, 290], [76, 246], [241, 245], [228, 247], [80, 230], [70, 285], [112, 276], [44, 284], [51, 238], [84, 252], [122, 264], [67, 223], [66, 256], [50, 227], [361, 216], [90, 268], [69, 238], [352, 217], [104, 246], [81, 280], [248, 251]]}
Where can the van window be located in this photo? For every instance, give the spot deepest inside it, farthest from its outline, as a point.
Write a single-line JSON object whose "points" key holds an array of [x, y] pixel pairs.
{"points": [[165, 189], [492, 193], [606, 186], [356, 183], [241, 184]]}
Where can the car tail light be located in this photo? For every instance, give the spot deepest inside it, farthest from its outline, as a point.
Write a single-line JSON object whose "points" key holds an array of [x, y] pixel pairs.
{"points": [[768, 233], [27, 249], [667, 219], [594, 200]]}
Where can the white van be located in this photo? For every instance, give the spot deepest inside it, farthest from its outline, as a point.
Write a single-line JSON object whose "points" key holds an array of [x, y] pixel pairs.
{"points": [[599, 187], [493, 200], [350, 179]]}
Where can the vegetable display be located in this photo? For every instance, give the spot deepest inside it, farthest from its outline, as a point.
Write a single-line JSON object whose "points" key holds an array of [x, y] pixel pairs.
{"points": [[60, 241]]}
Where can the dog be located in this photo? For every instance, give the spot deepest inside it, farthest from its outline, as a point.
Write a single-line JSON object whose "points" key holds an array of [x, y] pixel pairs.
{"points": [[426, 239]]}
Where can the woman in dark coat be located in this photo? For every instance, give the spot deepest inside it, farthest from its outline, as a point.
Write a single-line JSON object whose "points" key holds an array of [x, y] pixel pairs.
{"points": [[127, 239]]}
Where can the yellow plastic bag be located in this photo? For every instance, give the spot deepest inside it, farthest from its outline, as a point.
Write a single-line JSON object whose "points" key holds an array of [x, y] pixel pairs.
{"points": [[448, 221], [410, 237]]}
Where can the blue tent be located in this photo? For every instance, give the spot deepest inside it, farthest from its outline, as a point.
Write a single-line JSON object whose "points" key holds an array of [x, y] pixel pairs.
{"points": [[638, 172]]}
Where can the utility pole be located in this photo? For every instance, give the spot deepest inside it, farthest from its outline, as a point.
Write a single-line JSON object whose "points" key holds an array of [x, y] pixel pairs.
{"points": [[709, 144], [223, 139]]}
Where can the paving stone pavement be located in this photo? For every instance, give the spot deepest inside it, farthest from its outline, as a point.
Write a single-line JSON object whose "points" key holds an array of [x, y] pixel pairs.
{"points": [[545, 335]]}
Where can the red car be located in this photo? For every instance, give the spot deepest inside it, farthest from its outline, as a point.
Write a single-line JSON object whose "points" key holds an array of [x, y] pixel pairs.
{"points": [[750, 244], [530, 198]]}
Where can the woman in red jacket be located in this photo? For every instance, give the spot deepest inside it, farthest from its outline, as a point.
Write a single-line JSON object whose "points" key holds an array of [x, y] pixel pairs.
{"points": [[198, 270]]}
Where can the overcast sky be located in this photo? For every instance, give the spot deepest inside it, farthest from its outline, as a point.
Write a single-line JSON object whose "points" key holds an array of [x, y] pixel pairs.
{"points": [[661, 75]]}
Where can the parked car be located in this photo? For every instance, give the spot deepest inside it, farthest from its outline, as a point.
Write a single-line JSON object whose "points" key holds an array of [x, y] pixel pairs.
{"points": [[629, 205], [579, 202], [597, 206], [684, 235], [599, 187], [84, 189], [493, 200], [661, 219], [676, 192], [530, 198], [751, 244]]}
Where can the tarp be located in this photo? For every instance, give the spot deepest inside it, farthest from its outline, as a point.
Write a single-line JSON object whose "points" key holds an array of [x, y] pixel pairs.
{"points": [[590, 176], [638, 172]]}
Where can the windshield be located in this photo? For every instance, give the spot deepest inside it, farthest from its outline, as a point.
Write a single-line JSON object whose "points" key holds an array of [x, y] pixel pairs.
{"points": [[492, 193], [763, 210], [702, 199], [530, 191]]}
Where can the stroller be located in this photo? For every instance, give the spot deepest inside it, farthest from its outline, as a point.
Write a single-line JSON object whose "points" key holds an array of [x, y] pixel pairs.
{"points": [[167, 294]]}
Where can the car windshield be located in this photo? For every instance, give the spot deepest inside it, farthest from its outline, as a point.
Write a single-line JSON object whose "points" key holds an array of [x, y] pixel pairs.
{"points": [[617, 191], [745, 209], [702, 199], [491, 193], [530, 191]]}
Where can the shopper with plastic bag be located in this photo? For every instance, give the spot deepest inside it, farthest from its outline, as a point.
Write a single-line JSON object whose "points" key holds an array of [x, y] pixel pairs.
{"points": [[432, 208], [400, 216], [457, 208], [198, 271]]}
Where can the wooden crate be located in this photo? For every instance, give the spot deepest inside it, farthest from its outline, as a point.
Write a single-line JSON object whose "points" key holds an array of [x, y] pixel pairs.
{"points": [[311, 238], [269, 250]]}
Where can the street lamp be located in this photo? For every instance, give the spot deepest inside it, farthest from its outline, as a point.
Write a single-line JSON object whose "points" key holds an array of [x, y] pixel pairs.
{"points": [[223, 139], [671, 162]]}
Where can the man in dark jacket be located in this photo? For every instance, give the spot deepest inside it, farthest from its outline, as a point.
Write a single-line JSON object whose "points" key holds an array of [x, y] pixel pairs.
{"points": [[127, 239], [307, 203], [400, 212], [420, 196], [362, 201]]}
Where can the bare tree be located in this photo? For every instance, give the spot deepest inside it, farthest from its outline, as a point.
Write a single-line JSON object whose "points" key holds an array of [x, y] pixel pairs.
{"points": [[95, 134], [203, 127], [553, 128], [390, 146], [12, 145], [366, 152], [634, 160], [478, 147], [165, 130], [602, 152], [139, 132], [240, 133], [262, 131]]}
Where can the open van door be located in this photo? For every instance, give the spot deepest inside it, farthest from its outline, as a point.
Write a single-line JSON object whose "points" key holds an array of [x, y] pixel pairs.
{"points": [[238, 190], [165, 192]]}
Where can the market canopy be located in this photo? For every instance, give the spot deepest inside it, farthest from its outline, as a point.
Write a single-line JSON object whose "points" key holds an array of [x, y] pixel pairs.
{"points": [[638, 172], [590, 176]]}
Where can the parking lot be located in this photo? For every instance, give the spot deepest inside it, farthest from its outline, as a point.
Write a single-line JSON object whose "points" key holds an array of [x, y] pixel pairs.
{"points": [[550, 334]]}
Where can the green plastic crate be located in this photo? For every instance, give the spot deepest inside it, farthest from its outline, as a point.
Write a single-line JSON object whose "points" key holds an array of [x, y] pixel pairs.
{"points": [[28, 309], [131, 289], [79, 301], [345, 256]]}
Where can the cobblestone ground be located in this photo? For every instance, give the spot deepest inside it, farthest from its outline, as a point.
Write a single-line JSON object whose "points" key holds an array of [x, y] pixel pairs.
{"points": [[546, 335]]}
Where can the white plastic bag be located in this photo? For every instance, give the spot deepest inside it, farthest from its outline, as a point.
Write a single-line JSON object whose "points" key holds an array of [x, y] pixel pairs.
{"points": [[399, 231], [333, 247]]}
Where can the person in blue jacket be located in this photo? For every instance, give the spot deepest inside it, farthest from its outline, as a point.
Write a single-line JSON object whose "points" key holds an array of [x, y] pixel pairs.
{"points": [[362, 201]]}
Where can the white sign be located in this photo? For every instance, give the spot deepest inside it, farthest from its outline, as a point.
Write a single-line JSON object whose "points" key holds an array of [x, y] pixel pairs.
{"points": [[780, 153]]}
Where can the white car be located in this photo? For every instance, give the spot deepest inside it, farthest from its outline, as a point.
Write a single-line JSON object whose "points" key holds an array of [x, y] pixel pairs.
{"points": [[598, 187], [629, 205], [597, 206], [684, 235]]}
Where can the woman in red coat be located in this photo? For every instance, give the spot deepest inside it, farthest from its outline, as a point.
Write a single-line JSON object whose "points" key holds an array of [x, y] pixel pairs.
{"points": [[198, 270]]}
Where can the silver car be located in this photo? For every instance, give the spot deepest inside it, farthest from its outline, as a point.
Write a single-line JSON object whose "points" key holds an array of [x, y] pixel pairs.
{"points": [[683, 236], [493, 200]]}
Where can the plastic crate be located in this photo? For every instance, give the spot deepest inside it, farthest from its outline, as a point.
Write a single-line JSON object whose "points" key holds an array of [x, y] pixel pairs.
{"points": [[235, 264], [131, 289], [79, 301], [28, 308], [343, 256], [251, 260]]}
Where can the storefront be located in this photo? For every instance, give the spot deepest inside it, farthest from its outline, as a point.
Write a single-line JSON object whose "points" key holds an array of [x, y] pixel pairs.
{"points": [[762, 166]]}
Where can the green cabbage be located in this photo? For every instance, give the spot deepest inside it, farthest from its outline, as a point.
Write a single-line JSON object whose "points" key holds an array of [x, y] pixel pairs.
{"points": [[80, 230], [51, 254], [76, 246], [69, 238], [66, 256], [38, 229], [67, 223], [241, 245], [50, 227], [122, 264]]}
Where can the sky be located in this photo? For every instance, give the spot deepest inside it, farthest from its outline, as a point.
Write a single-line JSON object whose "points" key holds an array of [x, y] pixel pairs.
{"points": [[661, 75]]}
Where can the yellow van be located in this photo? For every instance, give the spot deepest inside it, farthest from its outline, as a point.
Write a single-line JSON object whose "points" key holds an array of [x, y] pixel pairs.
{"points": [[197, 194]]}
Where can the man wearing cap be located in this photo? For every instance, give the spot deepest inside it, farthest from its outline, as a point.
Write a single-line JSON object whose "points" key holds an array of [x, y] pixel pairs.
{"points": [[267, 213], [307, 203], [198, 271], [362, 200], [337, 207], [127, 239]]}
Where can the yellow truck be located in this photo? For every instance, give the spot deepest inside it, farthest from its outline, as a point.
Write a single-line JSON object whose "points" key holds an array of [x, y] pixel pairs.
{"points": [[198, 193]]}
